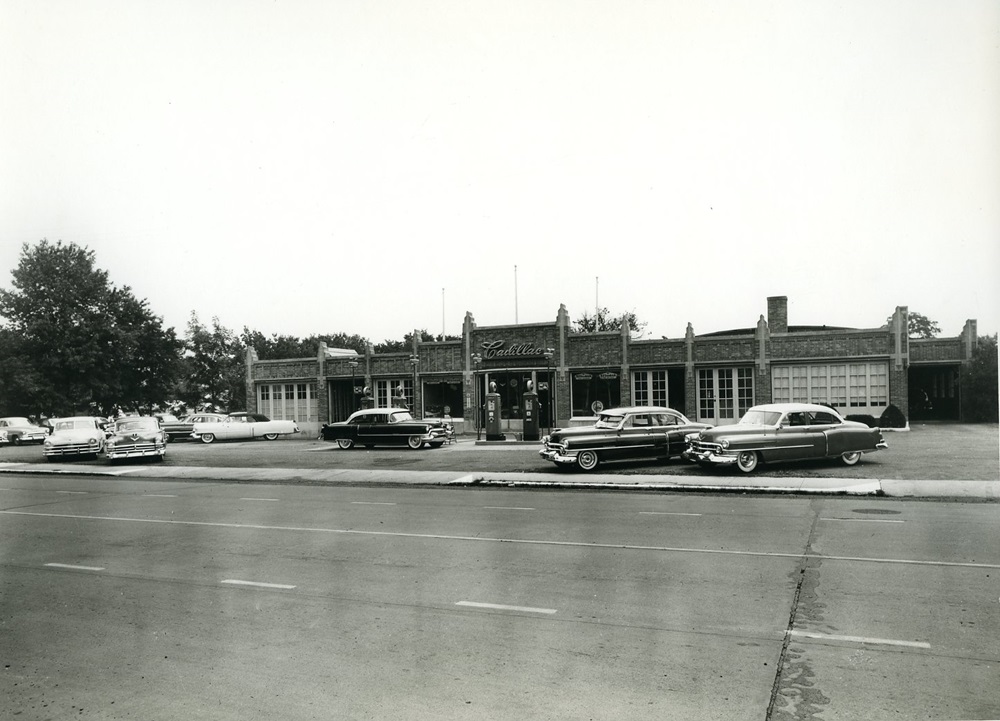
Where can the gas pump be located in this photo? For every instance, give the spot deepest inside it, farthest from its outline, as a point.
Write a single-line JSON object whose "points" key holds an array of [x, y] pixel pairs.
{"points": [[493, 415], [530, 422]]}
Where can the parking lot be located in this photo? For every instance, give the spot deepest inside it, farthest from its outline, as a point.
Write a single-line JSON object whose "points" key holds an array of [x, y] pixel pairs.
{"points": [[943, 451]]}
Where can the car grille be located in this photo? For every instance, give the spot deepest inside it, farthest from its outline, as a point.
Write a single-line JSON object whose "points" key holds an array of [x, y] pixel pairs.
{"points": [[705, 447], [550, 446], [135, 448], [72, 449]]}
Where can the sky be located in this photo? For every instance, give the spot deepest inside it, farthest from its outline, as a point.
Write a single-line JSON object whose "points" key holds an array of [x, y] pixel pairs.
{"points": [[372, 167]]}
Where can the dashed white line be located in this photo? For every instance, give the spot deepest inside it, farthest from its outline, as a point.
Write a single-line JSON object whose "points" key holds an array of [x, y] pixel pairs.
{"points": [[372, 503], [865, 520], [158, 495], [508, 508], [269, 500], [258, 584], [859, 639], [73, 493], [75, 567], [503, 607], [666, 513]]}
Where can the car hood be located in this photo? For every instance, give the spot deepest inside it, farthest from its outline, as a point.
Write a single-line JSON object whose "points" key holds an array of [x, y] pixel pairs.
{"points": [[75, 436], [579, 431], [741, 429]]}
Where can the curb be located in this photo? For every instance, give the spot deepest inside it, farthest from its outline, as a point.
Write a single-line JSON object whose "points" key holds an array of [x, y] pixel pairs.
{"points": [[983, 490]]}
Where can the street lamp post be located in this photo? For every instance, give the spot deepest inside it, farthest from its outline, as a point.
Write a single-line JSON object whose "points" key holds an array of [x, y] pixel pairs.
{"points": [[477, 359], [354, 389], [549, 355], [414, 361]]}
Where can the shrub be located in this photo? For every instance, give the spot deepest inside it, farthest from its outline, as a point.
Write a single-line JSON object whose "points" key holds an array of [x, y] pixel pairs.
{"points": [[864, 418], [892, 417]]}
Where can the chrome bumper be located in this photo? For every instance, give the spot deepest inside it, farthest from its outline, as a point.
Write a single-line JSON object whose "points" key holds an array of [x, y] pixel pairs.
{"points": [[115, 453], [721, 459], [558, 457]]}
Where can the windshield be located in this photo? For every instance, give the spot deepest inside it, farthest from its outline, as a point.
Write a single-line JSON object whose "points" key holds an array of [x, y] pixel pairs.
{"points": [[166, 418], [762, 418], [400, 417], [136, 425], [74, 425], [18, 422], [608, 420]]}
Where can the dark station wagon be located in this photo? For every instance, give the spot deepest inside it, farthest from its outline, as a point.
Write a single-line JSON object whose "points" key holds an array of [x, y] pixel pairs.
{"points": [[621, 434], [386, 427]]}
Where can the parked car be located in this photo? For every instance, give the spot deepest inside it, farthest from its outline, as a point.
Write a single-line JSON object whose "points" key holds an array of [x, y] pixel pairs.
{"points": [[241, 426], [175, 428], [16, 430], [784, 432], [136, 437], [621, 434], [74, 436], [386, 427]]}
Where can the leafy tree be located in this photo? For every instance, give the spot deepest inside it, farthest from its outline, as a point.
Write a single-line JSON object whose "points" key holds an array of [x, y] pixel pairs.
{"points": [[920, 326], [979, 387], [405, 345], [275, 346], [84, 344], [214, 367], [603, 320]]}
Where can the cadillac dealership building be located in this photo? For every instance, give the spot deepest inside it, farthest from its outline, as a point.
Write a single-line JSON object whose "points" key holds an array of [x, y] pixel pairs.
{"points": [[711, 378]]}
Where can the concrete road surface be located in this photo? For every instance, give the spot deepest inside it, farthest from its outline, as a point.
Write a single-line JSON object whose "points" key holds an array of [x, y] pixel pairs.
{"points": [[128, 598]]}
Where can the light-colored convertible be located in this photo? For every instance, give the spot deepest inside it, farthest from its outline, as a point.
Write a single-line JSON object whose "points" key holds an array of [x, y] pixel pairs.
{"points": [[243, 426]]}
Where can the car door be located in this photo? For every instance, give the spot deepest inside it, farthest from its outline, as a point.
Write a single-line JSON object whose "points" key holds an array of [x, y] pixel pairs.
{"points": [[369, 428], [637, 437], [796, 439], [673, 429]]}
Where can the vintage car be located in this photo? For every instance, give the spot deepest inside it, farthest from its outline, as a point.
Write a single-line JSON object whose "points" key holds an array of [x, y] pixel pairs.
{"points": [[136, 437], [74, 436], [241, 426], [175, 428], [620, 434], [17, 430], [386, 427], [783, 432]]}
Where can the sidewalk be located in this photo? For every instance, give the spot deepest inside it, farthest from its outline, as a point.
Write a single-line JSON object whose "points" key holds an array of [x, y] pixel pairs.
{"points": [[986, 490]]}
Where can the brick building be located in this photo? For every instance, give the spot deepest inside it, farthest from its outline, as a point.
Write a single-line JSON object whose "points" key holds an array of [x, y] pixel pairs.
{"points": [[712, 378]]}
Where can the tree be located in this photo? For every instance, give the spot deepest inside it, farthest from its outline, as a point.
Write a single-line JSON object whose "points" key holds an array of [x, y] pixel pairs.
{"points": [[85, 345], [603, 320], [920, 326], [405, 345], [214, 367], [979, 385]]}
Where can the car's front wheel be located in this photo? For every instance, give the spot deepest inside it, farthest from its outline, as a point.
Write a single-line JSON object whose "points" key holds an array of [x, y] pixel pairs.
{"points": [[587, 460], [849, 459], [16, 440], [747, 461], [415, 442], [270, 436], [345, 443], [207, 437]]}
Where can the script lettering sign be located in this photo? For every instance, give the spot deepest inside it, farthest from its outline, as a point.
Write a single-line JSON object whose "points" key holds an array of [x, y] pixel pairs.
{"points": [[498, 350]]}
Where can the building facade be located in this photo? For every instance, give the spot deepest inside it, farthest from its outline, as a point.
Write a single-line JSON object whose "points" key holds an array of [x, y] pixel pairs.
{"points": [[713, 378]]}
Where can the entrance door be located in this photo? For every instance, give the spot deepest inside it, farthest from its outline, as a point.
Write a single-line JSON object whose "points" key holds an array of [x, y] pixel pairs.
{"points": [[724, 394]]}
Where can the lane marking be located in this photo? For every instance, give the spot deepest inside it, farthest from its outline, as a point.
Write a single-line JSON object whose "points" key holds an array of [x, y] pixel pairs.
{"points": [[508, 508], [78, 568], [492, 539], [372, 503], [502, 607], [859, 639], [864, 520], [73, 493], [158, 495], [270, 500], [258, 584], [666, 513]]}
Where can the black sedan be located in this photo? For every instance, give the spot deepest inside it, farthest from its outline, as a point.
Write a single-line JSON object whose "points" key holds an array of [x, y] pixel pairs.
{"points": [[621, 434], [386, 427]]}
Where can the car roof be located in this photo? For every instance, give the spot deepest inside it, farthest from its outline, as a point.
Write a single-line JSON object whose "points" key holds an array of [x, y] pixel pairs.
{"points": [[639, 409], [795, 408], [369, 411], [74, 418]]}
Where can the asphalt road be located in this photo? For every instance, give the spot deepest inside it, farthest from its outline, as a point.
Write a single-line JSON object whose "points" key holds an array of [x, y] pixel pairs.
{"points": [[927, 452], [129, 598]]}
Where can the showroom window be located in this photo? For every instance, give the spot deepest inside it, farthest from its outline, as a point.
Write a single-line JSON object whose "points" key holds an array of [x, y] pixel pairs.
{"points": [[842, 385], [649, 388], [442, 398], [288, 401], [593, 391]]}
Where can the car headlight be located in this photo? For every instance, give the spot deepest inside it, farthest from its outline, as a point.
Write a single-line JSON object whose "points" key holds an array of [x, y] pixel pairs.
{"points": [[545, 439], [92, 441], [724, 444], [46, 443]]}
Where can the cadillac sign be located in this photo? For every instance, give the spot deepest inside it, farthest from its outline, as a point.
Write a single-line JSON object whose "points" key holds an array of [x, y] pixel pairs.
{"points": [[494, 349]]}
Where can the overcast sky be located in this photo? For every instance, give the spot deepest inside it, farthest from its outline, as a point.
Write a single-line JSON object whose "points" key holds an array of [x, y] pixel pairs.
{"points": [[370, 167]]}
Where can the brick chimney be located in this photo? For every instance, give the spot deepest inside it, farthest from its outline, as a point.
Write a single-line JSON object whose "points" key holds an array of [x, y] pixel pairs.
{"points": [[777, 313]]}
